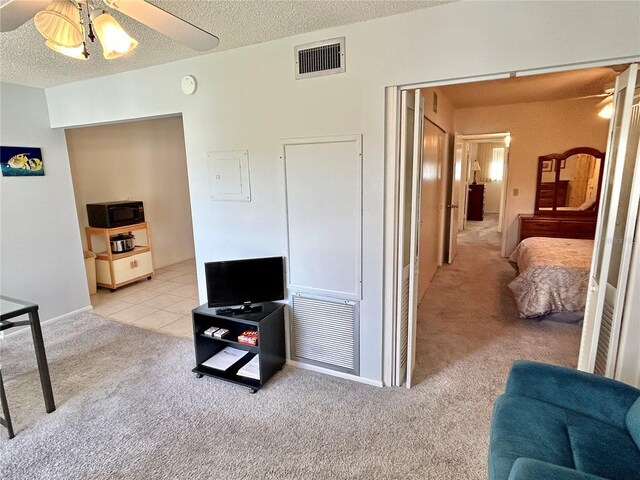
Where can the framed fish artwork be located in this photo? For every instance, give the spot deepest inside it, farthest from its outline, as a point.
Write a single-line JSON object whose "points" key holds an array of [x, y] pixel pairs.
{"points": [[21, 162]]}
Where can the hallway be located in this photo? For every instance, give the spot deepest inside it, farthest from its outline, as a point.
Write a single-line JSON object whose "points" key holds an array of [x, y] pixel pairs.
{"points": [[468, 315], [469, 333]]}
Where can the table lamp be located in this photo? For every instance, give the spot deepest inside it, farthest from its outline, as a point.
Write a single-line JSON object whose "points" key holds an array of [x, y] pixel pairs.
{"points": [[475, 168]]}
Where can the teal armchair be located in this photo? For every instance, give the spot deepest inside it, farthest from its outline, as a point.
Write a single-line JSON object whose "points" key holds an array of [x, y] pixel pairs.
{"points": [[557, 423]]}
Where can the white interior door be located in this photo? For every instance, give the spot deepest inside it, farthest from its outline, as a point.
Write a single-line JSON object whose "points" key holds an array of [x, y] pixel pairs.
{"points": [[408, 225], [618, 212], [453, 206], [462, 204], [415, 237]]}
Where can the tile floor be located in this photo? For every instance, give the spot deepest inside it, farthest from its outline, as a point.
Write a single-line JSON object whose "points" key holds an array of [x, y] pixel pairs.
{"points": [[163, 303]]}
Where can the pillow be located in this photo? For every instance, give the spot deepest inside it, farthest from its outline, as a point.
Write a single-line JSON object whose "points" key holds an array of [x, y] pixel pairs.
{"points": [[588, 205]]}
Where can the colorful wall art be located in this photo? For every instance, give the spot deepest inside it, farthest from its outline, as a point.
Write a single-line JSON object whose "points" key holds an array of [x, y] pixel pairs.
{"points": [[21, 162]]}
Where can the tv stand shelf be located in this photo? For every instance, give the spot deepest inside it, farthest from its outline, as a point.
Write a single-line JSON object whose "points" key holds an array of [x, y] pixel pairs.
{"points": [[268, 322]]}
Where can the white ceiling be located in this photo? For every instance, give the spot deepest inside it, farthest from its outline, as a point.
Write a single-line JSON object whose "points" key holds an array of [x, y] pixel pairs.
{"points": [[534, 88], [27, 61]]}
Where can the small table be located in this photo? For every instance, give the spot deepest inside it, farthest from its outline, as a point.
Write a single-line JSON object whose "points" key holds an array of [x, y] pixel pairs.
{"points": [[11, 308]]}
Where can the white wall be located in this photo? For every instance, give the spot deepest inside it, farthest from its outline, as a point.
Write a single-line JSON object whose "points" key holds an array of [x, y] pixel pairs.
{"points": [[40, 251], [537, 128], [492, 192], [248, 99], [143, 160]]}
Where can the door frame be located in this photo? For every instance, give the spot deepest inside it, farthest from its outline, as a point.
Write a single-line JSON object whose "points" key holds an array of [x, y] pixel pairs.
{"points": [[489, 138], [391, 188], [391, 264]]}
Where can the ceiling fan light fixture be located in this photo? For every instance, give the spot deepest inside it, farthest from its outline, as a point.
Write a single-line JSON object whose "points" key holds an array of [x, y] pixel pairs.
{"points": [[60, 24], [74, 52], [115, 41]]}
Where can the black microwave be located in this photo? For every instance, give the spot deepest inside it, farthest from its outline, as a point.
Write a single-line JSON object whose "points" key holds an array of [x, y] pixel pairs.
{"points": [[115, 214]]}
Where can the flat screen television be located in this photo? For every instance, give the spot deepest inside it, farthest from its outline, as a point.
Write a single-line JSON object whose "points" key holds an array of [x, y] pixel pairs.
{"points": [[243, 282]]}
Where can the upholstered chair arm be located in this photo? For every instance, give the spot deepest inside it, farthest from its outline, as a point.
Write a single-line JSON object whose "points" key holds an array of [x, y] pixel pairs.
{"points": [[597, 397], [529, 469]]}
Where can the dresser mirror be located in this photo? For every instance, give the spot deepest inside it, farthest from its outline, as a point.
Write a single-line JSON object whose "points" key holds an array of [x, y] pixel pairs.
{"points": [[569, 183]]}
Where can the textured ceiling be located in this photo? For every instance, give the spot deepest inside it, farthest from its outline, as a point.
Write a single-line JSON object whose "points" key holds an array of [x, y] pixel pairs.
{"points": [[534, 88], [25, 60]]}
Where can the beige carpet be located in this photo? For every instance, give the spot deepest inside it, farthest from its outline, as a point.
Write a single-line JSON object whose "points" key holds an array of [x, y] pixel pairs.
{"points": [[129, 408]]}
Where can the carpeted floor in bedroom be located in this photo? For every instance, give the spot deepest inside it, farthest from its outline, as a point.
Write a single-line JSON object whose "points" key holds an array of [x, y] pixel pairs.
{"points": [[129, 408]]}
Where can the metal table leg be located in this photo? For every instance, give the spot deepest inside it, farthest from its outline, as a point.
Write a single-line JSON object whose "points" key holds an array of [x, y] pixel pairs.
{"points": [[41, 358], [6, 421]]}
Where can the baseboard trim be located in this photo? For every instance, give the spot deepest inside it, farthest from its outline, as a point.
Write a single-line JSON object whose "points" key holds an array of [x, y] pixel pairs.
{"points": [[333, 373], [8, 333]]}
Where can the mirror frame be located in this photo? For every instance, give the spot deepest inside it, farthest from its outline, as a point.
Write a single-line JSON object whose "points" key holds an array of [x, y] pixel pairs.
{"points": [[563, 156]]}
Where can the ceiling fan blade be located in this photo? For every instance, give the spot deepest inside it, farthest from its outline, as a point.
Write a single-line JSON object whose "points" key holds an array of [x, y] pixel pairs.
{"points": [[166, 23], [595, 95], [18, 12]]}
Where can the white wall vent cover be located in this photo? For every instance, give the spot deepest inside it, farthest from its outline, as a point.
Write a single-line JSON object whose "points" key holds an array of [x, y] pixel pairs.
{"points": [[320, 58], [324, 332]]}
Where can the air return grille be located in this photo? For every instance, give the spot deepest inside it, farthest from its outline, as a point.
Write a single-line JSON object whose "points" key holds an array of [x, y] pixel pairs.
{"points": [[324, 333], [404, 318], [604, 340], [320, 58]]}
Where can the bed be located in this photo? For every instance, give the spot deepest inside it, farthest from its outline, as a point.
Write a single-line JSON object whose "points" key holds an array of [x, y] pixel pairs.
{"points": [[553, 276]]}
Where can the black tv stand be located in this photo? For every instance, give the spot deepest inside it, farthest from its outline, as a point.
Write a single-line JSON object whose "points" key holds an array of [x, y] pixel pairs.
{"points": [[268, 321]]}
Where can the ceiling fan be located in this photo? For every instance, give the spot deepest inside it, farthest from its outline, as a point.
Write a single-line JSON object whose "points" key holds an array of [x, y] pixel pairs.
{"points": [[606, 104], [65, 23]]}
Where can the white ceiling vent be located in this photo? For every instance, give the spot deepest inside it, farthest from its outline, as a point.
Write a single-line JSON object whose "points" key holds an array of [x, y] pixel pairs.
{"points": [[320, 58]]}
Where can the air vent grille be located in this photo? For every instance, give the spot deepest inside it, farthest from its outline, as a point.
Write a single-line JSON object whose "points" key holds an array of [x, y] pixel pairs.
{"points": [[604, 339], [320, 58], [404, 318], [324, 333]]}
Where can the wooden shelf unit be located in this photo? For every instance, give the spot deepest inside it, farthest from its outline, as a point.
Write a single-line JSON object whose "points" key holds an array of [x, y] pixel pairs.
{"points": [[269, 323], [114, 270]]}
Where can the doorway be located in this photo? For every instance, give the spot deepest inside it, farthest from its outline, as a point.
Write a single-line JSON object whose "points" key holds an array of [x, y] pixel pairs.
{"points": [[482, 190], [515, 199], [141, 160], [484, 185]]}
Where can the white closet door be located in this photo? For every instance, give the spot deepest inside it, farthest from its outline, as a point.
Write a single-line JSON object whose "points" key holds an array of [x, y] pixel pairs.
{"points": [[323, 180], [418, 145], [409, 215], [618, 212]]}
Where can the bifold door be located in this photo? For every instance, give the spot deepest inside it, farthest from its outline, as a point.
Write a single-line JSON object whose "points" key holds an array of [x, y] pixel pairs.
{"points": [[605, 311], [412, 108]]}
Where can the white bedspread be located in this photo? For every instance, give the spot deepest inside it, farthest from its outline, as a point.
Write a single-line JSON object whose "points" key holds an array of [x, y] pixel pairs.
{"points": [[554, 275]]}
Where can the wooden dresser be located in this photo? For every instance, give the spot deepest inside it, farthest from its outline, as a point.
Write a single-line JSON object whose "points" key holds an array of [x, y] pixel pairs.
{"points": [[559, 226], [475, 202]]}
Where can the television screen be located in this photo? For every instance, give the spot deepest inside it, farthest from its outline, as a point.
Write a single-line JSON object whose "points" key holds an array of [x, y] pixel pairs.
{"points": [[237, 282]]}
